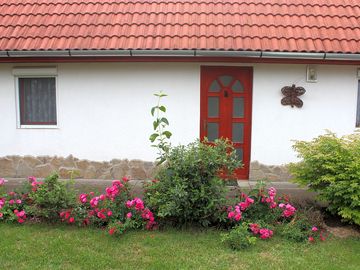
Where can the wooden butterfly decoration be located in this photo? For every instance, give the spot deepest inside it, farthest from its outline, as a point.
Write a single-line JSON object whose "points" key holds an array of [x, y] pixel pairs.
{"points": [[292, 94]]}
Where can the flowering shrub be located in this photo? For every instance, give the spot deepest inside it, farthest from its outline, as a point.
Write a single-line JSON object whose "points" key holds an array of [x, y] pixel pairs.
{"points": [[259, 212], [51, 199], [113, 209]]}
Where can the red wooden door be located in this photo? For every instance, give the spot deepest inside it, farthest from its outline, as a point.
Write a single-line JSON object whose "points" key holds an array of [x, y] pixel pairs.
{"points": [[225, 104]]}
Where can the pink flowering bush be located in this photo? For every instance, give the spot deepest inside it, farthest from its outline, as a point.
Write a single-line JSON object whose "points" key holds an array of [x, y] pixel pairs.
{"points": [[262, 212], [11, 205], [113, 209]]}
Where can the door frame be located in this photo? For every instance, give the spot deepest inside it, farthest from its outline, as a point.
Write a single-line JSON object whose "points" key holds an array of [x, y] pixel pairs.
{"points": [[204, 81]]}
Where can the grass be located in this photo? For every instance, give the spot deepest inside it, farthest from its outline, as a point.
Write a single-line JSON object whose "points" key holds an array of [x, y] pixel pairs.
{"points": [[62, 247]]}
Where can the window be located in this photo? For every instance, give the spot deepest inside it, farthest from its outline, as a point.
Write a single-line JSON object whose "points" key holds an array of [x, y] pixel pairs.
{"points": [[36, 96], [37, 100], [358, 107]]}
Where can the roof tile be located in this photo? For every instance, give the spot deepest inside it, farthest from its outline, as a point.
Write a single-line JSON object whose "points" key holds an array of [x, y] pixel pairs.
{"points": [[268, 25]]}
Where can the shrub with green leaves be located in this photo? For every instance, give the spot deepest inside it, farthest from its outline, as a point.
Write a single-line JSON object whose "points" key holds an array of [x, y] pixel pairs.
{"points": [[239, 237], [188, 188], [48, 198], [331, 166]]}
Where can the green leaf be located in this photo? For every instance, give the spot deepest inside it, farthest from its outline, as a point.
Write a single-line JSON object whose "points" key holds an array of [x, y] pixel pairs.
{"points": [[167, 134], [156, 124], [162, 108], [153, 137], [164, 120], [153, 110]]}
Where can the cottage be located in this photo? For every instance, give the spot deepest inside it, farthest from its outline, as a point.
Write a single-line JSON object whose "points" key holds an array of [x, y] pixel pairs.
{"points": [[78, 77]]}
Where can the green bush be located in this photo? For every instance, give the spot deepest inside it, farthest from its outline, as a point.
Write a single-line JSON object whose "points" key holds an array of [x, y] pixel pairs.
{"points": [[47, 199], [188, 188], [331, 166], [239, 237], [297, 231]]}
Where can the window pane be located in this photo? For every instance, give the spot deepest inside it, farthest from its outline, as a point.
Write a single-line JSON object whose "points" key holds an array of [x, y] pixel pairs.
{"points": [[215, 86], [238, 107], [212, 131], [237, 87], [37, 101], [226, 80], [239, 153], [237, 132], [213, 107]]}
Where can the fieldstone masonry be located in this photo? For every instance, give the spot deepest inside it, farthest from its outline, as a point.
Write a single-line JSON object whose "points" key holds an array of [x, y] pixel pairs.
{"points": [[41, 166]]}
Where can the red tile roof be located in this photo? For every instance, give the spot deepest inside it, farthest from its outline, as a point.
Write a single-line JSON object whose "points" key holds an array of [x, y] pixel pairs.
{"points": [[266, 25]]}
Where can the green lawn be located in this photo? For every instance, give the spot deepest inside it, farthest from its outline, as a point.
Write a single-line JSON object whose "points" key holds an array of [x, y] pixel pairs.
{"points": [[61, 247]]}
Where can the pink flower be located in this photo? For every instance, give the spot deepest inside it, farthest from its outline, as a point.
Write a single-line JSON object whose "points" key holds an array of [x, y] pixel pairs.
{"points": [[94, 202], [281, 205], [1, 215], [311, 239], [112, 231], [255, 228], [83, 198], [102, 197], [272, 192], [101, 215], [314, 229], [11, 202], [125, 179], [265, 233], [71, 220], [231, 215], [237, 217], [109, 213], [2, 181], [2, 202], [129, 215], [18, 201], [21, 220], [117, 183], [32, 179]]}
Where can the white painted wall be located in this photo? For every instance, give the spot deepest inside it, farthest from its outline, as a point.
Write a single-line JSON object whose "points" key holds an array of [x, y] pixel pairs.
{"points": [[104, 109]]}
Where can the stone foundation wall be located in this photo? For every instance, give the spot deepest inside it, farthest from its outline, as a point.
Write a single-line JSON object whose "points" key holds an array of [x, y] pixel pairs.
{"points": [[274, 173], [42, 166]]}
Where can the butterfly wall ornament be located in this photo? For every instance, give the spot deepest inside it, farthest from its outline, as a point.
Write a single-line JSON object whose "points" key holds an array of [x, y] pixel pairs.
{"points": [[292, 94]]}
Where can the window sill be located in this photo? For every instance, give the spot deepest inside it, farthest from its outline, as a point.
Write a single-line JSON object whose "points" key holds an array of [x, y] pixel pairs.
{"points": [[38, 127]]}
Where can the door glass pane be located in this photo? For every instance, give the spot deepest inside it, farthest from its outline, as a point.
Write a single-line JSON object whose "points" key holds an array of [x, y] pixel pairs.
{"points": [[238, 132], [238, 107], [226, 80], [213, 107], [215, 86], [212, 131], [237, 87], [239, 153]]}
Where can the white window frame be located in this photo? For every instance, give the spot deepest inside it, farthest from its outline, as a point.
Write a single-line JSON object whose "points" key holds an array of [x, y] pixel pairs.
{"points": [[35, 72]]}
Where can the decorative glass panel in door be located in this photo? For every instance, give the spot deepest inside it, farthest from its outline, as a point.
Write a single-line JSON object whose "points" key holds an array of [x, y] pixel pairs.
{"points": [[226, 109]]}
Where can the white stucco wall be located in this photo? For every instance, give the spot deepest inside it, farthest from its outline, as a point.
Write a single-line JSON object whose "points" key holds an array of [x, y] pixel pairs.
{"points": [[104, 109]]}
